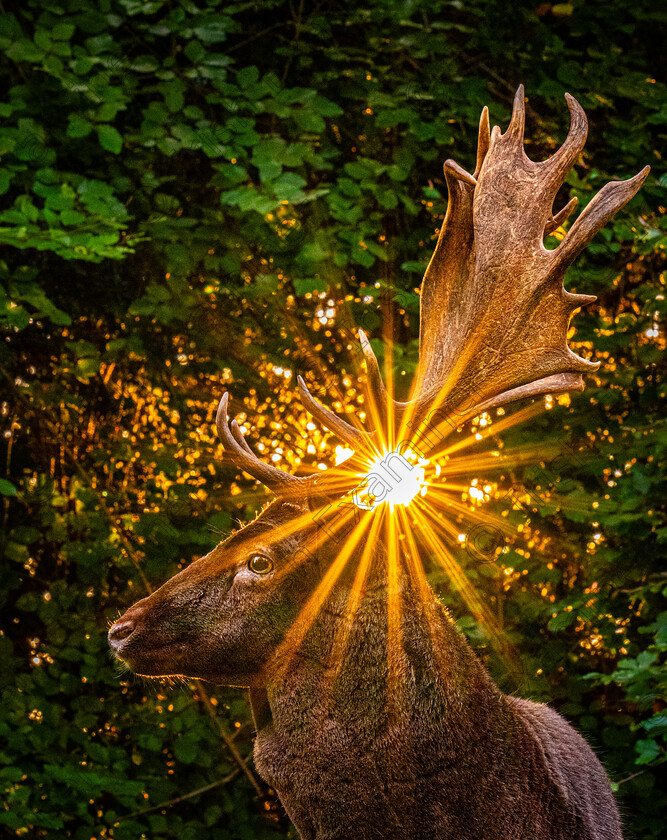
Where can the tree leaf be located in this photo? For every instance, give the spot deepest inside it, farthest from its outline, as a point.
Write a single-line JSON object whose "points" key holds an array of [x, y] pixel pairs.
{"points": [[110, 138]]}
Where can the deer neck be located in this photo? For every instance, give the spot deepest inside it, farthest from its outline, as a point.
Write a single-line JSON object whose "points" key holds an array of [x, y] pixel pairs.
{"points": [[396, 655], [386, 698]]}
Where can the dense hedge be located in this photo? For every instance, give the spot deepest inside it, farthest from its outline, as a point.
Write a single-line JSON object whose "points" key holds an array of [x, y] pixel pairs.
{"points": [[201, 194]]}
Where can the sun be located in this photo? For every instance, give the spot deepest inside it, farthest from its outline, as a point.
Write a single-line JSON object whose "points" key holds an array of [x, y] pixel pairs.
{"points": [[393, 478]]}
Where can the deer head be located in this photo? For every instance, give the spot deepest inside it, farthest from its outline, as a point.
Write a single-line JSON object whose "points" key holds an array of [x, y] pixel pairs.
{"points": [[493, 329], [223, 616]]}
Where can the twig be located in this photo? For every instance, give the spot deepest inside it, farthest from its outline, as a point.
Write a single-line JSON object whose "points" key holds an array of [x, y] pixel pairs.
{"points": [[231, 746], [255, 37], [5, 501], [297, 19], [509, 87], [629, 778], [178, 799]]}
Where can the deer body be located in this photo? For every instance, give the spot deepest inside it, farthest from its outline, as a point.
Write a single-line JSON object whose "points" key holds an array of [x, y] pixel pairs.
{"points": [[444, 756], [375, 721]]}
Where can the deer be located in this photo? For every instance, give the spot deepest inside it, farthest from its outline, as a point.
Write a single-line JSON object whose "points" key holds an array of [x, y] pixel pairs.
{"points": [[374, 718]]}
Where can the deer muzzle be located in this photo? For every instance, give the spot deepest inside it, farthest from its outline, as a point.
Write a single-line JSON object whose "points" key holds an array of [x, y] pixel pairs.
{"points": [[138, 641], [119, 632]]}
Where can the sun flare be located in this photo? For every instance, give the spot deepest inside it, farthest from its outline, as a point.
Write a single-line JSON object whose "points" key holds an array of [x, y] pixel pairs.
{"points": [[393, 478]]}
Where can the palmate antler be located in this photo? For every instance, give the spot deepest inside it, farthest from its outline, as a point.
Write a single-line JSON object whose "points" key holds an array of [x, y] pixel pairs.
{"points": [[494, 313]]}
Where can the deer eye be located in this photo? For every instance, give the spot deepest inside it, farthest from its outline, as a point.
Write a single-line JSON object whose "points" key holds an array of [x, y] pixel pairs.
{"points": [[260, 564]]}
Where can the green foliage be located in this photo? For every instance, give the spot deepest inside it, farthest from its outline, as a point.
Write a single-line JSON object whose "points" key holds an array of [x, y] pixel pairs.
{"points": [[188, 188]]}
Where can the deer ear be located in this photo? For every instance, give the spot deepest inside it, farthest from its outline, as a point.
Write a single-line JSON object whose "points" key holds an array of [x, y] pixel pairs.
{"points": [[332, 486], [320, 497]]}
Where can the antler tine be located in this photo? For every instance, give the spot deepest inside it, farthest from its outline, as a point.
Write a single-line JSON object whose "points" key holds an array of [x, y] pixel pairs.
{"points": [[452, 170], [335, 424], [560, 163], [238, 436], [448, 271], [375, 384], [556, 221], [281, 483], [516, 128], [483, 141], [595, 216], [559, 383]]}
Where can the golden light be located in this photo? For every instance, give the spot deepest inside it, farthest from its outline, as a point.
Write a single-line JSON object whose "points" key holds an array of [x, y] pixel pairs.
{"points": [[342, 453], [393, 478], [428, 492]]}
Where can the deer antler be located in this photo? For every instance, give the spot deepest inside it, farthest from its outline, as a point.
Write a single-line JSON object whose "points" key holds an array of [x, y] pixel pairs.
{"points": [[242, 456], [494, 313]]}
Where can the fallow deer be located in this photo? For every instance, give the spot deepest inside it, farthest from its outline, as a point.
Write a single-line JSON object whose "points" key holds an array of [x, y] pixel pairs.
{"points": [[374, 718]]}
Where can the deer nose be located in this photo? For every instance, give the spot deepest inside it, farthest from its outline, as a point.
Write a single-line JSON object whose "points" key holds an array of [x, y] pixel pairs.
{"points": [[120, 631]]}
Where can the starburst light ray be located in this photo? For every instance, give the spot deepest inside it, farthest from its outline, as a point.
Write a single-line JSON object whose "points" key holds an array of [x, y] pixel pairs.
{"points": [[468, 593], [395, 652], [313, 605], [341, 639]]}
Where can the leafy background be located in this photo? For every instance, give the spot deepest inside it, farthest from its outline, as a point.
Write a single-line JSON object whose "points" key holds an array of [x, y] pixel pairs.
{"points": [[201, 194]]}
